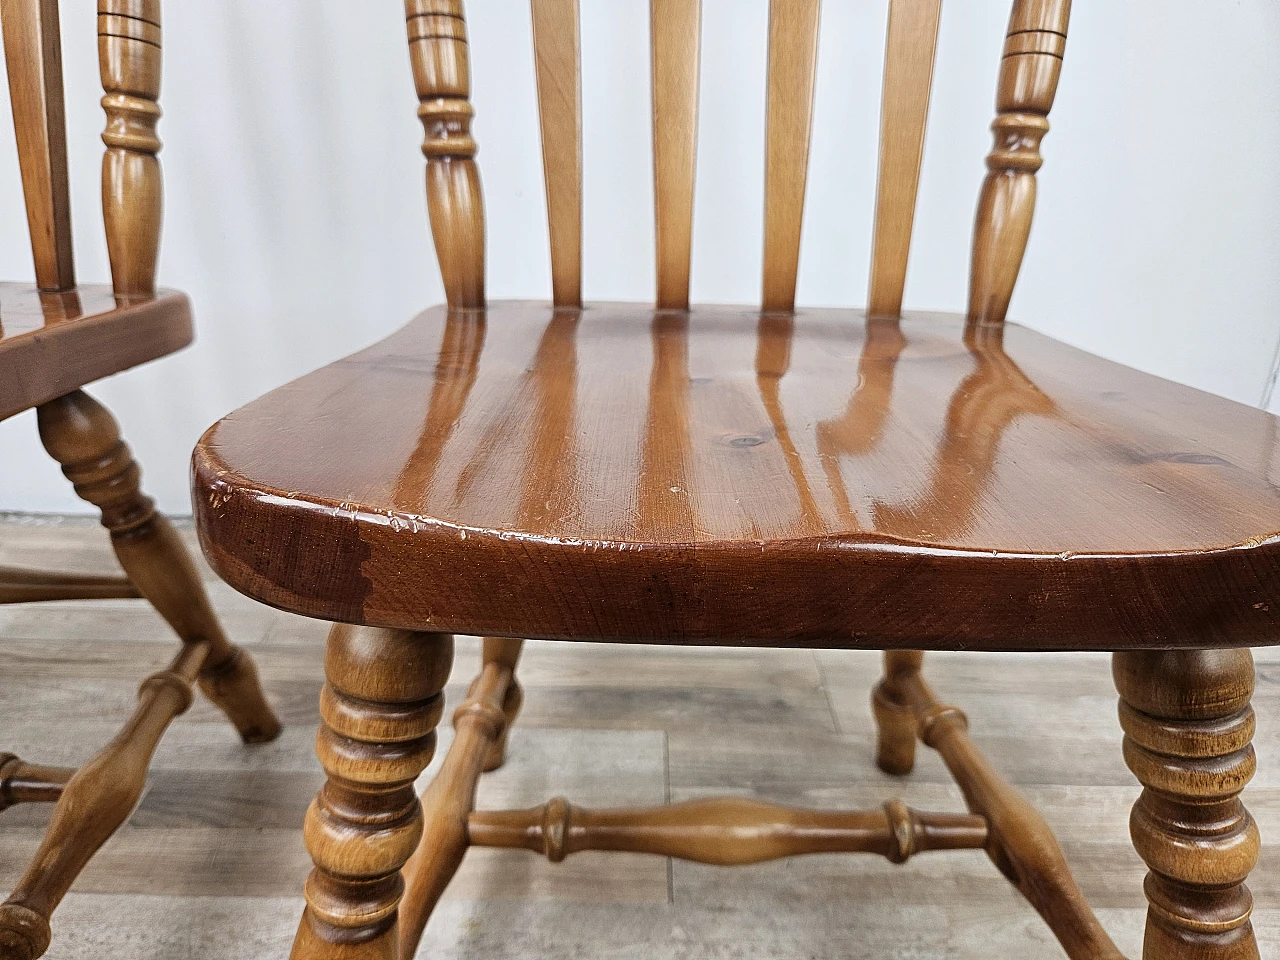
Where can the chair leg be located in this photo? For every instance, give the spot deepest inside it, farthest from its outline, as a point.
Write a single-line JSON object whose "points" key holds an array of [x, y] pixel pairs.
{"points": [[895, 721], [380, 707], [506, 653], [84, 438], [92, 806], [1188, 730]]}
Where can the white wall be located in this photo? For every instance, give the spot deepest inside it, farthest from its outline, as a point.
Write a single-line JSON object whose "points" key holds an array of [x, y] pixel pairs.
{"points": [[296, 219]]}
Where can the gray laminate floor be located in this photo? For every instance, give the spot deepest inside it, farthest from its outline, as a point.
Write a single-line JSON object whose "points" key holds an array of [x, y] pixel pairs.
{"points": [[211, 863]]}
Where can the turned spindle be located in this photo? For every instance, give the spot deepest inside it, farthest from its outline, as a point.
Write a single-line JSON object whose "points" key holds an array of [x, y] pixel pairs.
{"points": [[93, 805], [479, 724], [379, 709], [84, 438], [1033, 48], [22, 782], [895, 721], [442, 76], [132, 198], [726, 831], [1188, 731]]}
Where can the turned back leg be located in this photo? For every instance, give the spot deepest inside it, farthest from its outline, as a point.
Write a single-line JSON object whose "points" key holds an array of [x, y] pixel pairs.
{"points": [[895, 720], [505, 652], [1188, 730], [84, 438]]}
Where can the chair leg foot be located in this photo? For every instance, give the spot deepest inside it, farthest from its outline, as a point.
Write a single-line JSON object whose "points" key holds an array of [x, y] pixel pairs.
{"points": [[84, 438], [1188, 737], [234, 688], [380, 706], [505, 652], [896, 728], [24, 934]]}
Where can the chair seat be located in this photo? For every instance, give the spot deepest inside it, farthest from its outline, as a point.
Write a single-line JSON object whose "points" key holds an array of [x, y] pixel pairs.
{"points": [[53, 343], [725, 477]]}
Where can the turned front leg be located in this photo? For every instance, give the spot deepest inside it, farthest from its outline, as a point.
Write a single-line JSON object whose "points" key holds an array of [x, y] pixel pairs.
{"points": [[380, 707], [896, 728], [84, 438], [1188, 730]]}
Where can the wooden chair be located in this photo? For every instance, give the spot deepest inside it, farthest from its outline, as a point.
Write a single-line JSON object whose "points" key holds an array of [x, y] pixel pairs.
{"points": [[55, 337], [775, 477]]}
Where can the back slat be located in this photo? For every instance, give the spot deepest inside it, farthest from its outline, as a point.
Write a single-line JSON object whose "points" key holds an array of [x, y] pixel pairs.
{"points": [[34, 63], [908, 76], [558, 60], [676, 30], [793, 50]]}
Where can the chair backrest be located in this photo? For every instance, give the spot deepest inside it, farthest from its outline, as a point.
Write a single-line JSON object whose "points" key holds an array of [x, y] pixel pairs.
{"points": [[129, 61], [1028, 80]]}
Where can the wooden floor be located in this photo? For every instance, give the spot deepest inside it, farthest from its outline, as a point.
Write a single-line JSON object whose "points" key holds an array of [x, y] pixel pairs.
{"points": [[211, 863]]}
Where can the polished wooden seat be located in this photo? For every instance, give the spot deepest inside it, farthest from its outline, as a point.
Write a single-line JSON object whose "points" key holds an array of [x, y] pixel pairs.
{"points": [[778, 475], [54, 342], [723, 476]]}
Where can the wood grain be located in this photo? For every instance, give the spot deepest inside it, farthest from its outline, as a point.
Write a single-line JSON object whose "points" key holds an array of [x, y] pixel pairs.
{"points": [[53, 343], [676, 39], [33, 59], [381, 703], [93, 805], [559, 68], [1019, 841], [23, 585], [997, 481], [201, 867], [904, 108], [726, 831], [1188, 729], [84, 438], [793, 64]]}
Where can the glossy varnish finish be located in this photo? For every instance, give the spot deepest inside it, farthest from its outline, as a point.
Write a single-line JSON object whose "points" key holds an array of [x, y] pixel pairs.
{"points": [[738, 476], [901, 461], [53, 343]]}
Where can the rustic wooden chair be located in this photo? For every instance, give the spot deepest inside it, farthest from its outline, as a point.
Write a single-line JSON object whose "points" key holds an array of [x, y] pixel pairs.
{"points": [[776, 477], [55, 337]]}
